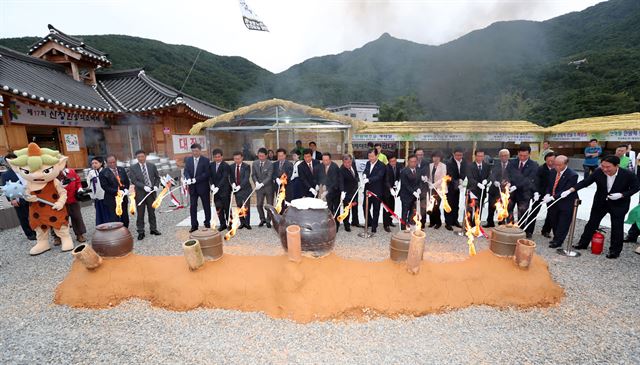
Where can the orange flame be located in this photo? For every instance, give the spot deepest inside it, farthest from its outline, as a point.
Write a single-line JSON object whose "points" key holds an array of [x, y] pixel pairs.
{"points": [[119, 199], [476, 218], [282, 193], [416, 219], [236, 213], [132, 201], [502, 205], [345, 212], [443, 193], [470, 235], [158, 201]]}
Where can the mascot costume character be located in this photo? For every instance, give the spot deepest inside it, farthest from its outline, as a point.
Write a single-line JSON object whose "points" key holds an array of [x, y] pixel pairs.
{"points": [[40, 167]]}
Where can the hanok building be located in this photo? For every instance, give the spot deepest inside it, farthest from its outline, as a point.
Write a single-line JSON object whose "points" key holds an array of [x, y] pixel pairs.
{"points": [[59, 97]]}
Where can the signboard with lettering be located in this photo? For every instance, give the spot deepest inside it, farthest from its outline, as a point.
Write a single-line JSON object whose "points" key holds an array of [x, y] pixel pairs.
{"points": [[21, 113], [622, 136], [182, 143]]}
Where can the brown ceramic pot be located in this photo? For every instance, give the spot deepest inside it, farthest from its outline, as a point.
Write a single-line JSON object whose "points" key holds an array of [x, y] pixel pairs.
{"points": [[503, 240], [210, 242], [399, 246], [112, 240]]}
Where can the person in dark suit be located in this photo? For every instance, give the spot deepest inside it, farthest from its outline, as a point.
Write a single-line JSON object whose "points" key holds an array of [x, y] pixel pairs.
{"points": [[409, 190], [478, 173], [348, 181], [373, 181], [499, 179], [261, 174], [240, 179], [327, 173], [145, 178], [196, 168], [615, 186], [20, 205], [112, 179], [392, 180], [457, 169], [220, 187], [308, 182], [315, 154], [559, 216], [524, 181], [544, 170], [281, 166]]}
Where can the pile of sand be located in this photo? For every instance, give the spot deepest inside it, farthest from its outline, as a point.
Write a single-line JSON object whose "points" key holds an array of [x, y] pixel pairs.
{"points": [[315, 289]]}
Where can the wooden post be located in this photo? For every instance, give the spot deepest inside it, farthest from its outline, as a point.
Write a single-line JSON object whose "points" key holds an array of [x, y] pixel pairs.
{"points": [[406, 152], [473, 152]]}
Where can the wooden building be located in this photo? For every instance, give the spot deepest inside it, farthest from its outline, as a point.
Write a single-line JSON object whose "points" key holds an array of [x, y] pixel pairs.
{"points": [[59, 96]]}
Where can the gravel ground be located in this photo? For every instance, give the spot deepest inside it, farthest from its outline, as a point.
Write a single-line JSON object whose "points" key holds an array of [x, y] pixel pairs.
{"points": [[597, 322]]}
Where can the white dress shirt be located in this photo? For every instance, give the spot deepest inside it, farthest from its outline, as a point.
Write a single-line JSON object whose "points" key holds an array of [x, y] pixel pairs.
{"points": [[611, 180]]}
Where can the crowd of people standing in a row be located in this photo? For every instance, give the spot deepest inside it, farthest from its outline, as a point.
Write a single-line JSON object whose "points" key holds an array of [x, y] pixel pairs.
{"points": [[420, 186]]}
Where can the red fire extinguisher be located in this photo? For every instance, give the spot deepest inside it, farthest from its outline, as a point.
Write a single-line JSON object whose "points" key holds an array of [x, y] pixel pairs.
{"points": [[597, 241]]}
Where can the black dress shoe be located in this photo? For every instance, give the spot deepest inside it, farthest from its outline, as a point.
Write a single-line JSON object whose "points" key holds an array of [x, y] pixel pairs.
{"points": [[140, 236], [374, 230], [261, 223], [193, 229], [580, 247], [357, 225], [553, 244], [155, 232], [221, 228], [403, 227], [546, 234], [489, 225], [391, 225], [613, 255], [431, 225], [628, 239], [456, 224], [207, 226], [268, 225], [387, 229], [31, 238], [347, 228], [437, 226], [247, 226], [448, 227], [529, 235]]}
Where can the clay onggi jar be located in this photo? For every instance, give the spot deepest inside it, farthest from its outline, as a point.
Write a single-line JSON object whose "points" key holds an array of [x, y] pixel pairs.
{"points": [[112, 240]]}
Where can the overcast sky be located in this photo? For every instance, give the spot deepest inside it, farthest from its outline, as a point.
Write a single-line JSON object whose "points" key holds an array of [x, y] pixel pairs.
{"points": [[299, 29]]}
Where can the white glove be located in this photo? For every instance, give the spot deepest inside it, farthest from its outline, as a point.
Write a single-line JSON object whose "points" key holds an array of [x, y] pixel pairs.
{"points": [[313, 191], [192, 181], [484, 182], [496, 184], [259, 186], [547, 199], [324, 194], [565, 193], [125, 192], [235, 187], [472, 196], [213, 187], [278, 181], [417, 194], [215, 191], [343, 195], [419, 191], [614, 196], [460, 187], [393, 192], [480, 186], [365, 180], [396, 184], [147, 189], [512, 189], [536, 196], [81, 190], [430, 185], [424, 179], [155, 188], [465, 182], [317, 187]]}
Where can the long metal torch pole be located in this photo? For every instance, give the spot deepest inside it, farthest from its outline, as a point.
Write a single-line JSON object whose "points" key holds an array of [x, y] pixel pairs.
{"points": [[568, 249], [365, 233]]}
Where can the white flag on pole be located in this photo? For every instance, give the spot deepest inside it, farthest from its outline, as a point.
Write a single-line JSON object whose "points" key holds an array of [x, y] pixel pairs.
{"points": [[250, 18]]}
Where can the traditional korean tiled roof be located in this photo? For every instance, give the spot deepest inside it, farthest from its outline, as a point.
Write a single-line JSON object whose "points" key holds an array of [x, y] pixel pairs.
{"points": [[135, 91], [74, 44], [46, 82]]}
